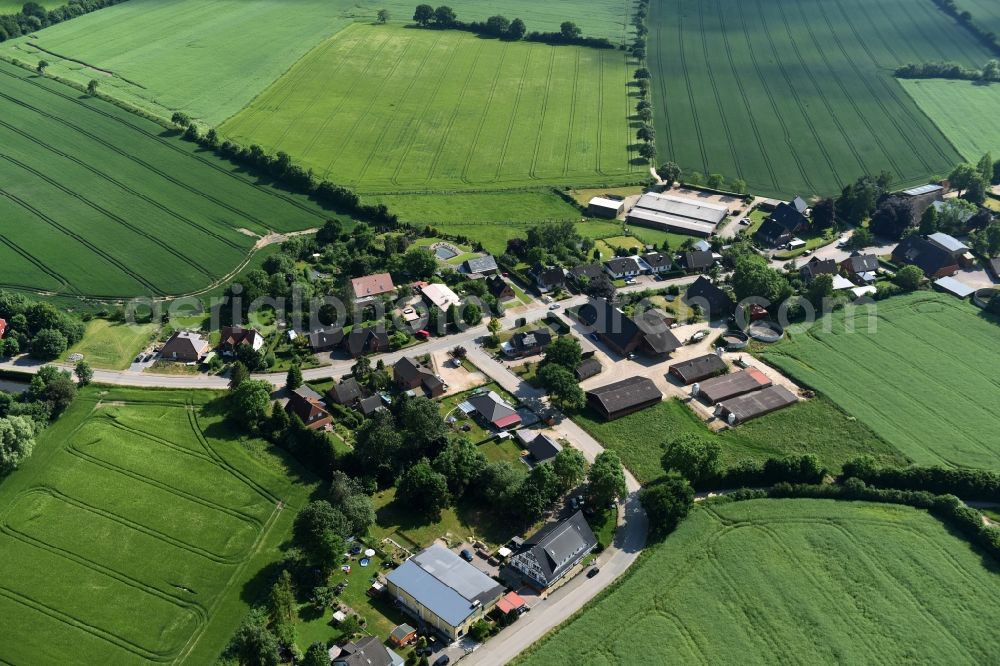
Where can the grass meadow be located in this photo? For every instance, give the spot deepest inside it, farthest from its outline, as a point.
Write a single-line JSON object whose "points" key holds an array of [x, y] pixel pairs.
{"points": [[792, 581], [134, 531], [985, 13], [814, 426], [109, 345], [208, 58], [387, 108], [924, 378], [799, 97], [962, 110], [99, 202]]}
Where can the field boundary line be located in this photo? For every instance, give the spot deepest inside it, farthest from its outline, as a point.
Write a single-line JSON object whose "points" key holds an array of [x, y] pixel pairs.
{"points": [[264, 189], [126, 188], [108, 214], [662, 82]]}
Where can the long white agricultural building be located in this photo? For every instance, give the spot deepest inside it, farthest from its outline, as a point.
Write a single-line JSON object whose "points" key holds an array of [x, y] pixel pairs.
{"points": [[672, 213]]}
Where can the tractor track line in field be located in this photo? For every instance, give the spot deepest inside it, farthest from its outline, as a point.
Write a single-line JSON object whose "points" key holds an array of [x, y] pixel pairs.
{"points": [[840, 84], [821, 93], [196, 609], [482, 119], [401, 99], [572, 114], [76, 623], [720, 107], [424, 113], [159, 440], [110, 215], [138, 527], [81, 240], [126, 188], [867, 83], [163, 174], [38, 264], [143, 478], [690, 93], [347, 95], [454, 114], [600, 114], [803, 111], [909, 106], [761, 145], [541, 121], [267, 190], [789, 142], [222, 462], [662, 83]]}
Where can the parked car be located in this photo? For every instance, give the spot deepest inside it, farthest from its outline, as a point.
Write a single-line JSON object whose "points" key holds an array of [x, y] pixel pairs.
{"points": [[745, 221], [466, 555], [443, 660], [554, 306], [699, 336], [593, 572]]}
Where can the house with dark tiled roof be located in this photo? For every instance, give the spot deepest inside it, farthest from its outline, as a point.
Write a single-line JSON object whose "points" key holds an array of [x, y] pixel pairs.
{"points": [[554, 550], [184, 347], [484, 265], [589, 271], [325, 339], [371, 340], [782, 225], [649, 333], [308, 406], [698, 368], [658, 262], [232, 337], [992, 266], [499, 288], [370, 405], [527, 343], [539, 446], [367, 651], [861, 269], [548, 278], [409, 374], [491, 411], [713, 301], [622, 267], [932, 259], [346, 392], [696, 262], [817, 266]]}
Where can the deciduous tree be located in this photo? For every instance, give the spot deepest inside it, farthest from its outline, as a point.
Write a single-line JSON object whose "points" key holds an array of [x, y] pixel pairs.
{"points": [[84, 373], [570, 467], [693, 457], [606, 479], [424, 490]]}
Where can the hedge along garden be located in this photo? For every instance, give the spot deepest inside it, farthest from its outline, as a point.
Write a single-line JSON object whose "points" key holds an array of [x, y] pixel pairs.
{"points": [[799, 97], [793, 580], [383, 108], [131, 533], [924, 379], [98, 202]]}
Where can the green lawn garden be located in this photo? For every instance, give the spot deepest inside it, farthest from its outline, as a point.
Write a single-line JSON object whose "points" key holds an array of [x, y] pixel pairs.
{"points": [[110, 345]]}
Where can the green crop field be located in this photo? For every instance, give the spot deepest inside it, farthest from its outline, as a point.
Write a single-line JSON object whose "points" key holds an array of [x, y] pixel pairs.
{"points": [[924, 378], [208, 58], [383, 108], [793, 581], [132, 533], [814, 426], [99, 202], [963, 110], [985, 13], [799, 97]]}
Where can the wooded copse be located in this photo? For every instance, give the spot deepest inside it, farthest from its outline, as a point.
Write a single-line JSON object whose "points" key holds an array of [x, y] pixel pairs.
{"points": [[444, 17]]}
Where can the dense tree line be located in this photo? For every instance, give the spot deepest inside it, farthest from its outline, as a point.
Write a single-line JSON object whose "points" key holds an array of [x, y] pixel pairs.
{"points": [[36, 327], [280, 168], [950, 70], [444, 17], [23, 416], [968, 484], [34, 17]]}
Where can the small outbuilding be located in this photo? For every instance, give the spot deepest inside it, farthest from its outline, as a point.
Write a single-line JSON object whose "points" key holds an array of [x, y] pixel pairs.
{"points": [[617, 399], [724, 387], [954, 287], [698, 368], [605, 207], [750, 406]]}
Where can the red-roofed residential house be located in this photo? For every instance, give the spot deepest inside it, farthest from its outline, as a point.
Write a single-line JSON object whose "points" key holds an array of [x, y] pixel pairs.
{"points": [[372, 286]]}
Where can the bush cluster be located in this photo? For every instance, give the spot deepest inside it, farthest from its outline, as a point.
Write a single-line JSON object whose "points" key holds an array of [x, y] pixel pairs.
{"points": [[949, 70], [968, 484], [987, 37], [444, 17]]}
